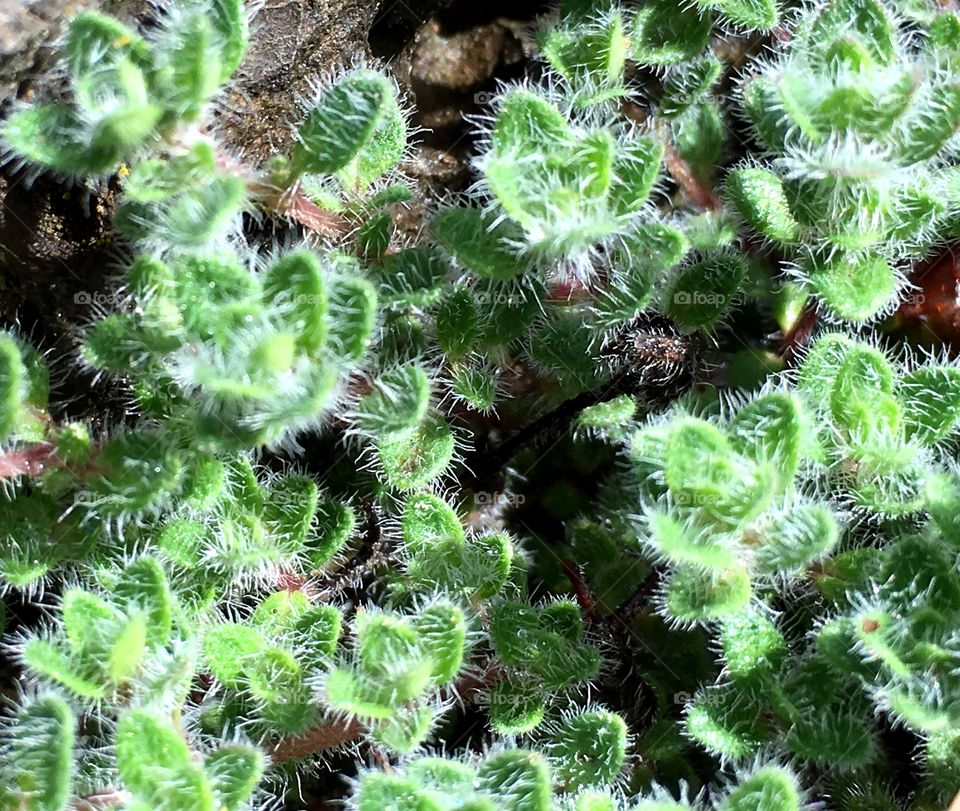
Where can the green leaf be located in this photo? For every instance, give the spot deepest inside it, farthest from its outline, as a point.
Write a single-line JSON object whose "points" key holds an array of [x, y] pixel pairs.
{"points": [[458, 322], [97, 42], [234, 772], [694, 596], [380, 791], [796, 538], [545, 642], [479, 243], [820, 367], [275, 680], [89, 622], [228, 648], [687, 84], [399, 401], [855, 286], [588, 749], [844, 742], [565, 346], [761, 102], [335, 524], [278, 614], [770, 788], [699, 135], [868, 20], [406, 730], [290, 509], [636, 166], [375, 234], [593, 53], [516, 706], [427, 521], [49, 135], [933, 125], [41, 754], [156, 765], [519, 779], [476, 387], [442, 629], [13, 384], [701, 292], [229, 19], [527, 121], [195, 70], [864, 381], [681, 544], [139, 471], [118, 134], [930, 396], [771, 428], [610, 415], [353, 315], [143, 586], [750, 15], [415, 457], [413, 277], [753, 647], [759, 197], [665, 34], [319, 628], [725, 722], [128, 649], [295, 285], [343, 122], [50, 662], [708, 479]]}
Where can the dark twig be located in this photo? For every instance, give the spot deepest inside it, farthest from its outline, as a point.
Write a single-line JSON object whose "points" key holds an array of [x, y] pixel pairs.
{"points": [[580, 589], [798, 336]]}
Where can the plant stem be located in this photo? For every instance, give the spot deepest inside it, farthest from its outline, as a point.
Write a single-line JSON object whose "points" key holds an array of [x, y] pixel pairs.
{"points": [[318, 739], [30, 461]]}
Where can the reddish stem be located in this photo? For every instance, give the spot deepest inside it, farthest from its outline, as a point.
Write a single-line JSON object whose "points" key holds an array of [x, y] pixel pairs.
{"points": [[699, 194], [580, 589], [295, 205], [316, 740], [105, 799], [338, 733], [799, 335], [29, 461]]}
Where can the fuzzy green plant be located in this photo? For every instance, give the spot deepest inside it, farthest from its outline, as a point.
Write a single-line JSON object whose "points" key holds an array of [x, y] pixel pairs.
{"points": [[882, 424], [550, 494], [858, 120], [725, 507]]}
